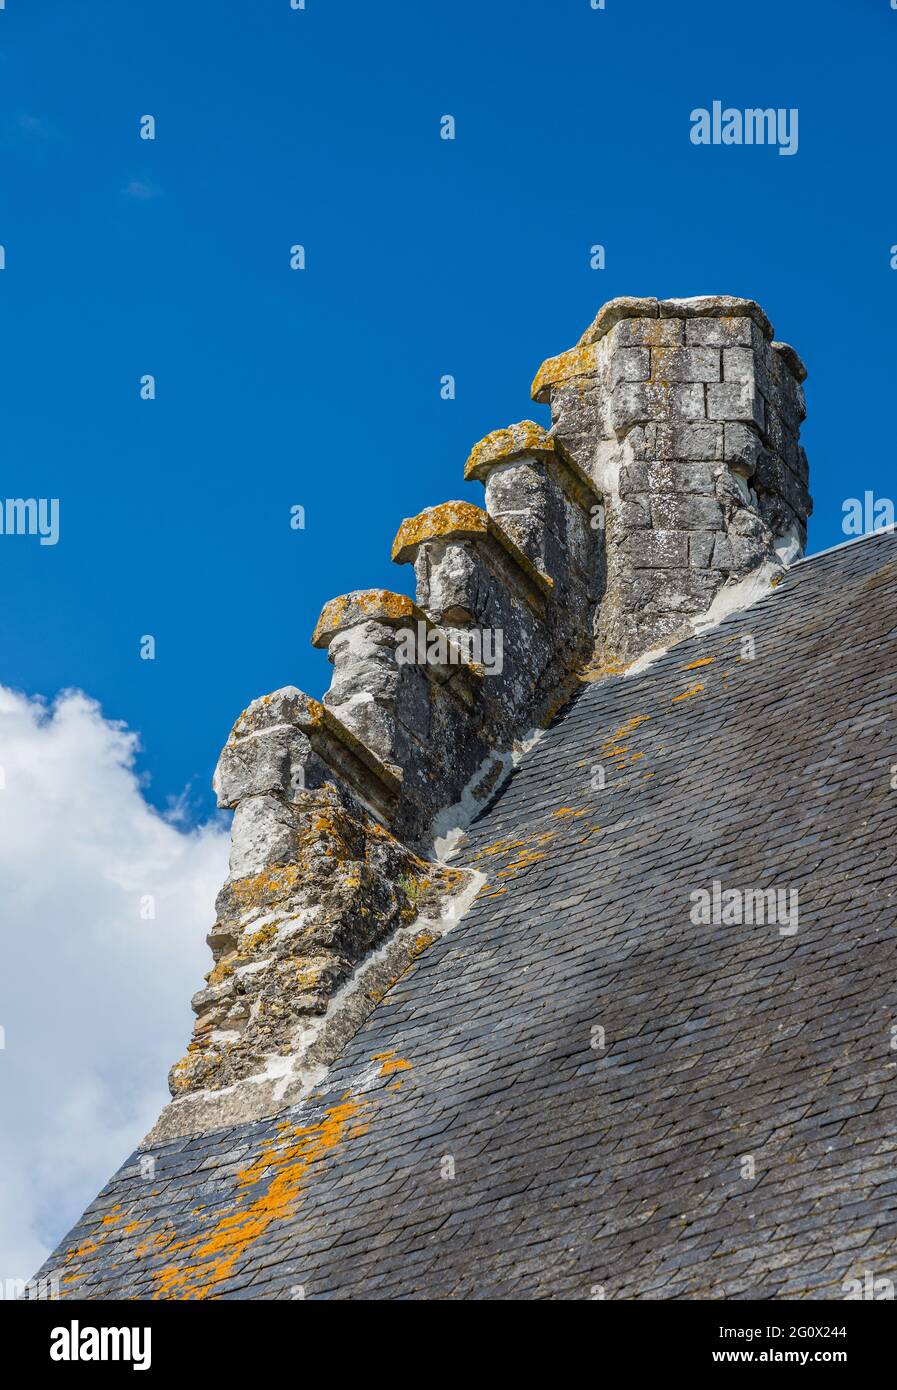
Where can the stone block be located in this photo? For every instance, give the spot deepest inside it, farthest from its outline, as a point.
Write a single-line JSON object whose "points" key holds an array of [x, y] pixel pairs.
{"points": [[700, 548], [739, 364], [683, 590], [685, 364], [722, 333], [670, 512], [687, 402], [266, 762], [742, 447], [679, 477], [634, 478], [635, 513], [634, 402], [646, 332], [782, 439], [737, 553], [716, 306], [628, 364], [701, 442], [658, 549], [733, 400]]}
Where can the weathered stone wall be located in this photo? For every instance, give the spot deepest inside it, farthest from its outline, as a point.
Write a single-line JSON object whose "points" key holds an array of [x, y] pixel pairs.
{"points": [[672, 470], [687, 414]]}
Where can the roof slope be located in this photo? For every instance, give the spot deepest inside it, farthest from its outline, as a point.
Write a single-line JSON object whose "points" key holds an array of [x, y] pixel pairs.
{"points": [[576, 1166]]}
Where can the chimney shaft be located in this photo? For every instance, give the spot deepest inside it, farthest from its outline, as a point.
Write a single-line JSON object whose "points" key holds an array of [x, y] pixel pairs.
{"points": [[687, 415]]}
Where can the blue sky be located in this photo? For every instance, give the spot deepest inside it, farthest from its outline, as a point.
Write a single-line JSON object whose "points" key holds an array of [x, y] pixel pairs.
{"points": [[320, 388]]}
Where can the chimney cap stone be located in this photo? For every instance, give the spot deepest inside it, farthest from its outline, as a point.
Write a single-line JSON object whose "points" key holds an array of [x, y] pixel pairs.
{"points": [[503, 446], [462, 521], [361, 606]]}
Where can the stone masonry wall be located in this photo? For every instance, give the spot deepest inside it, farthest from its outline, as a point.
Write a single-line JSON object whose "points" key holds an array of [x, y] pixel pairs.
{"points": [[687, 414], [671, 471]]}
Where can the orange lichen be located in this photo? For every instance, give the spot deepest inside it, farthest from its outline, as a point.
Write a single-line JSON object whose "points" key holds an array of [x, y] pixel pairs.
{"points": [[615, 749], [524, 854], [379, 604], [517, 866], [459, 519], [687, 694], [502, 445], [576, 361], [702, 661], [568, 811], [206, 1260], [393, 1064], [499, 847]]}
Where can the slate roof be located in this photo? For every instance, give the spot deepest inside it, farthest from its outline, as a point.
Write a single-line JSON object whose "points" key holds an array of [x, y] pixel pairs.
{"points": [[622, 1169]]}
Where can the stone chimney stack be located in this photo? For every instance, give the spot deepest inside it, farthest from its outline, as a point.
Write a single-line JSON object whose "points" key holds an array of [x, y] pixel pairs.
{"points": [[672, 472], [686, 413]]}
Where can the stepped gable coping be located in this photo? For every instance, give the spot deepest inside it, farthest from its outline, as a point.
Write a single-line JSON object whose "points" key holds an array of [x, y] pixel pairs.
{"points": [[462, 521], [529, 440]]}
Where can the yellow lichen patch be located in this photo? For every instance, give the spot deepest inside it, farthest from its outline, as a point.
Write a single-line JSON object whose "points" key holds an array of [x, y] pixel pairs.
{"points": [[567, 811], [223, 969], [615, 749], [459, 519], [250, 943], [206, 1260], [79, 1252], [86, 1249], [132, 1227], [596, 670], [499, 847], [379, 604], [524, 854], [702, 661], [687, 694], [487, 892], [502, 445], [525, 859], [308, 976], [576, 361], [393, 1064], [268, 886]]}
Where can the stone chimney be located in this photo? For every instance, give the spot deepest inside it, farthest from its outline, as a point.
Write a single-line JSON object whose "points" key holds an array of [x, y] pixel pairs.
{"points": [[687, 414], [672, 472]]}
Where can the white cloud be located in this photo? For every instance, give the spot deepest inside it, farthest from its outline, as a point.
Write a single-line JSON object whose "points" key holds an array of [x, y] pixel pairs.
{"points": [[94, 1000], [141, 190]]}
